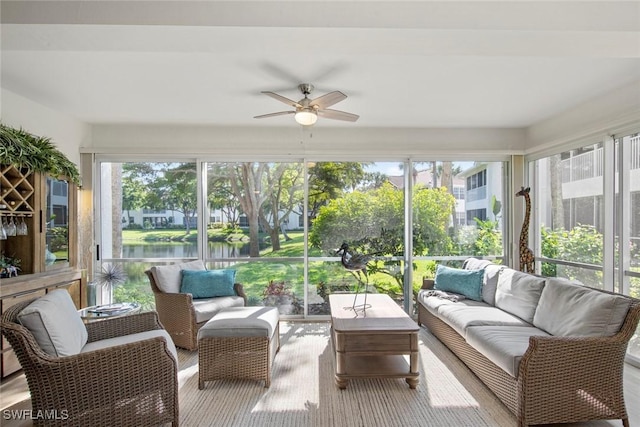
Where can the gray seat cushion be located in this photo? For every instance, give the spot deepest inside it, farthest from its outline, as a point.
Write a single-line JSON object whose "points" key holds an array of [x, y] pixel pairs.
{"points": [[242, 322], [131, 338], [503, 345], [464, 314], [206, 308]]}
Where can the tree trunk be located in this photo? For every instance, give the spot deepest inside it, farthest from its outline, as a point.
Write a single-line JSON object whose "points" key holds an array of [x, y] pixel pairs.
{"points": [[557, 205]]}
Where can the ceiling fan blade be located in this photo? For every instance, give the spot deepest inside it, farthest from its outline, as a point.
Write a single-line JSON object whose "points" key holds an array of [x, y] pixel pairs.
{"points": [[279, 113], [338, 115], [283, 99], [328, 100]]}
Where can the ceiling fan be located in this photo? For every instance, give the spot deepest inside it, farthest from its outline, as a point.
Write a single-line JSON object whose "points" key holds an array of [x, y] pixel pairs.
{"points": [[307, 110]]}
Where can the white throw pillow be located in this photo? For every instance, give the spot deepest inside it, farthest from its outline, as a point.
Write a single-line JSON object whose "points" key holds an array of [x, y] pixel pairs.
{"points": [[169, 277], [55, 324], [570, 309]]}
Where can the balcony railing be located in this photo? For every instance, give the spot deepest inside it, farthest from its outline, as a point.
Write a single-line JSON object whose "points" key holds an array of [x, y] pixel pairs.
{"points": [[590, 165]]}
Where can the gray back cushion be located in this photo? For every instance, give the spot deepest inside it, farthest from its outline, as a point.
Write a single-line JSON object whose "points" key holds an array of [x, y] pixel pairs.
{"points": [[55, 324], [475, 263], [518, 293], [490, 283], [169, 277], [490, 280], [570, 309]]}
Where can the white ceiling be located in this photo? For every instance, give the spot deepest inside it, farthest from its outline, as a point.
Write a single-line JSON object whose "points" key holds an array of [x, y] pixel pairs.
{"points": [[402, 64]]}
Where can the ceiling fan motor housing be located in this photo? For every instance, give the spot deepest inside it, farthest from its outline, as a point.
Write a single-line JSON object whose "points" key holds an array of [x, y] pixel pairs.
{"points": [[306, 88]]}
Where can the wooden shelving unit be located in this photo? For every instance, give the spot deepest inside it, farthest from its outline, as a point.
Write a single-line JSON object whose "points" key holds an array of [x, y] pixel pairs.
{"points": [[23, 196]]}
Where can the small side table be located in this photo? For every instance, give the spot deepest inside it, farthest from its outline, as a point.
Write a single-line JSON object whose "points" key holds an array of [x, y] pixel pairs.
{"points": [[99, 312]]}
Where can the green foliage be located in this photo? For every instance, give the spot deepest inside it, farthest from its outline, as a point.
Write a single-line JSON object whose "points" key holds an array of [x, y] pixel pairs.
{"points": [[583, 244], [484, 239], [59, 238], [24, 150], [496, 206]]}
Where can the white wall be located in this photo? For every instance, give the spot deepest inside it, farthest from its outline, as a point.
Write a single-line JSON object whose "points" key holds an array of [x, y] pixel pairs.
{"points": [[66, 132], [607, 114], [295, 141]]}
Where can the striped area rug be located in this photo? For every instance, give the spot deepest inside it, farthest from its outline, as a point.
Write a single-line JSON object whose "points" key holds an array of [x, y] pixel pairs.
{"points": [[303, 391]]}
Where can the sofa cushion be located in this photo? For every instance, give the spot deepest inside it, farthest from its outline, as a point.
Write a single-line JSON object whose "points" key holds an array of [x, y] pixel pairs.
{"points": [[503, 345], [475, 263], [127, 339], [570, 309], [208, 283], [461, 315], [242, 322], [55, 324], [206, 308], [169, 277], [460, 281], [490, 283], [518, 293]]}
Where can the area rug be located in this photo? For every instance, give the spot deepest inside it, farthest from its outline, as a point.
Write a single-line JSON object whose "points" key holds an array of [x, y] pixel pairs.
{"points": [[303, 391]]}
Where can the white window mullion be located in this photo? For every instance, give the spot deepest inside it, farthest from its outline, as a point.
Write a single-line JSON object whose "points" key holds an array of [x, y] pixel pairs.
{"points": [[609, 212], [624, 214], [408, 237]]}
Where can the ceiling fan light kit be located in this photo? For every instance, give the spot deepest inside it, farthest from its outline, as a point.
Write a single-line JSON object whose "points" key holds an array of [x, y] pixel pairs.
{"points": [[306, 118], [307, 110]]}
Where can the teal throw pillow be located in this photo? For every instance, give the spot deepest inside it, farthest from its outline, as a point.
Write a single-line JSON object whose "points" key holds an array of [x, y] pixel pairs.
{"points": [[208, 283], [464, 282]]}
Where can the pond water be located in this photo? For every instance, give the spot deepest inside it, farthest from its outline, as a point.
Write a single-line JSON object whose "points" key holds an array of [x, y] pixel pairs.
{"points": [[184, 250]]}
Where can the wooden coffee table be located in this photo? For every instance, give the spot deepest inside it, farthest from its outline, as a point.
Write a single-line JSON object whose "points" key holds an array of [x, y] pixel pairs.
{"points": [[373, 344]]}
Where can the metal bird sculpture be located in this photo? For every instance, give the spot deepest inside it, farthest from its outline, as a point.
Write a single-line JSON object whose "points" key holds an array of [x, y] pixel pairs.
{"points": [[357, 264]]}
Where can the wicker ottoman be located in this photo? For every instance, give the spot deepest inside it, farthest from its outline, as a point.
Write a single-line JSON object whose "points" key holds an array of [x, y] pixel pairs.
{"points": [[238, 342]]}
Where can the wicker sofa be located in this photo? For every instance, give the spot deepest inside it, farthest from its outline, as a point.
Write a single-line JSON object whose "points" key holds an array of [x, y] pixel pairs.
{"points": [[114, 372], [180, 313], [551, 350]]}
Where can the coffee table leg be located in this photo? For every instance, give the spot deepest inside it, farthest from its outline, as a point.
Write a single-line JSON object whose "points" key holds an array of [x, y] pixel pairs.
{"points": [[341, 383], [413, 382]]}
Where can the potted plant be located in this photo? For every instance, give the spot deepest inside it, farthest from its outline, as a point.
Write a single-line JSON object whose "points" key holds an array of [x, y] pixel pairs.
{"points": [[279, 294], [9, 266]]}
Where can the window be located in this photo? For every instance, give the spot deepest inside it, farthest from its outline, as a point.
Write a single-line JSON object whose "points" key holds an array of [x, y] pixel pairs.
{"points": [[259, 219], [581, 224]]}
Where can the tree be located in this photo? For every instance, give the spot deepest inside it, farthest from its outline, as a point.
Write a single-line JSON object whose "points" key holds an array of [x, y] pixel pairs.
{"points": [[372, 222], [247, 185], [220, 194], [328, 180], [284, 182], [175, 189], [555, 180], [134, 188]]}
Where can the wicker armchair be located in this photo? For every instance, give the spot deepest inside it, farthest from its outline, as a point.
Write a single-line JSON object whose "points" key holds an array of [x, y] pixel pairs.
{"points": [[178, 314], [134, 384]]}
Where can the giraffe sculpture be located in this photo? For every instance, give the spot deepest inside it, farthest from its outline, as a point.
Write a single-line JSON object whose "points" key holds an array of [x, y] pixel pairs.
{"points": [[526, 254]]}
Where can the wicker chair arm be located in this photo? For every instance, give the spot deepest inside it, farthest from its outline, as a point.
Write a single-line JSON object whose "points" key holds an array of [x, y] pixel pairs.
{"points": [[126, 325], [105, 377], [560, 360], [427, 284], [240, 291]]}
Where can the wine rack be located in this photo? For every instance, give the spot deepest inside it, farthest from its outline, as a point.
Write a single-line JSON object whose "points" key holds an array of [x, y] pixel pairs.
{"points": [[16, 190]]}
